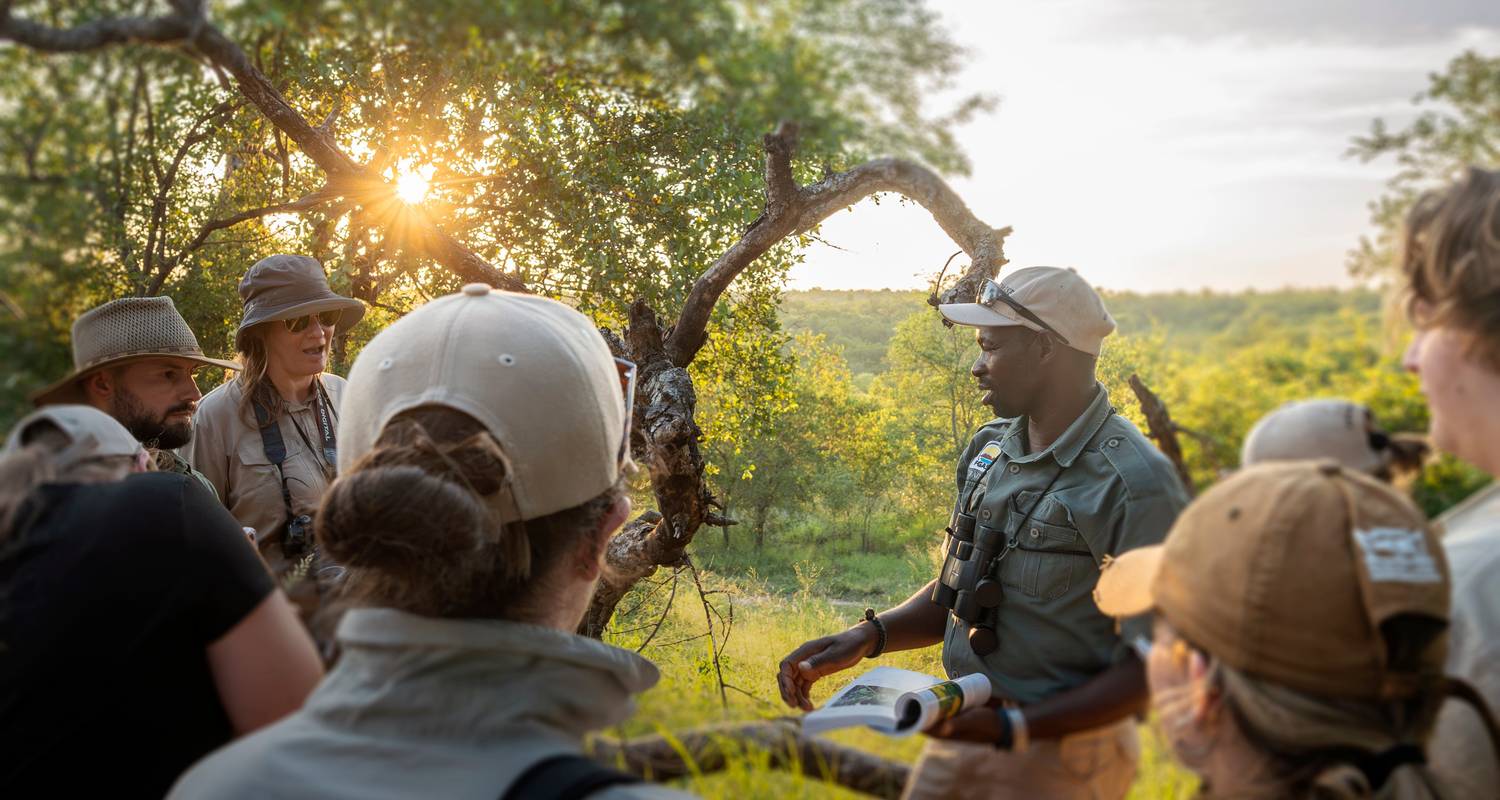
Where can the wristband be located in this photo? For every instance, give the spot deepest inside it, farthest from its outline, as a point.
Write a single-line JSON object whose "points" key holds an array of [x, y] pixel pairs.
{"points": [[1007, 736], [873, 619], [1020, 738]]}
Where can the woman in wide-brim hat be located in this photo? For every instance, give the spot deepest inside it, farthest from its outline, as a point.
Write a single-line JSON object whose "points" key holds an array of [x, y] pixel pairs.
{"points": [[267, 439]]}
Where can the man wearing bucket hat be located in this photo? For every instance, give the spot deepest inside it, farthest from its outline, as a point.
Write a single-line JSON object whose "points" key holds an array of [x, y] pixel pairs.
{"points": [[482, 464], [1046, 493], [1301, 611], [267, 440], [134, 359]]}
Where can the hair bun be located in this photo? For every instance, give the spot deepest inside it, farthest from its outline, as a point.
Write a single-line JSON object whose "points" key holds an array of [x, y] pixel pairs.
{"points": [[394, 517]]}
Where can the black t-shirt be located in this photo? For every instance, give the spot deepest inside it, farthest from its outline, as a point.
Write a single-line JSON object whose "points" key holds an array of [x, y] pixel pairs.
{"points": [[109, 595]]}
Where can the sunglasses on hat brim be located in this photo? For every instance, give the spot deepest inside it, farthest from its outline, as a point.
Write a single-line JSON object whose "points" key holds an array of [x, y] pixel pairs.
{"points": [[991, 293], [328, 319], [627, 371]]}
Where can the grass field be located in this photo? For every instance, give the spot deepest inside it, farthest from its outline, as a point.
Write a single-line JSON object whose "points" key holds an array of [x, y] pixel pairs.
{"points": [[771, 614]]}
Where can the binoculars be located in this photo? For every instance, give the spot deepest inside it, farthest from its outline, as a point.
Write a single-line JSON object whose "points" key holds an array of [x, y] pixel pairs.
{"points": [[967, 586]]}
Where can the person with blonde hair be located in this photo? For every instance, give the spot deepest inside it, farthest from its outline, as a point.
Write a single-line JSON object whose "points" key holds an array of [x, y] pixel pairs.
{"points": [[1299, 635], [1451, 273], [267, 440], [138, 629], [483, 449]]}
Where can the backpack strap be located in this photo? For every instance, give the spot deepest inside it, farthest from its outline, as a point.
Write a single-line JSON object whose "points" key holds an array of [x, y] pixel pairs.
{"points": [[565, 777]]}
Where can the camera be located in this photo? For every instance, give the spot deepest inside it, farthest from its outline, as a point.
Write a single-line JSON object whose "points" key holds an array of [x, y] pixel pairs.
{"points": [[298, 538]]}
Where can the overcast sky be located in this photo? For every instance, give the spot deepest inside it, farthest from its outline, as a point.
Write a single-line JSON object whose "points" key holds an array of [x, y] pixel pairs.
{"points": [[1169, 144]]}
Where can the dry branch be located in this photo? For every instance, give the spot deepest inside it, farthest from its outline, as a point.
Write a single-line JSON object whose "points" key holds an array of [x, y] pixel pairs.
{"points": [[711, 749], [1160, 426]]}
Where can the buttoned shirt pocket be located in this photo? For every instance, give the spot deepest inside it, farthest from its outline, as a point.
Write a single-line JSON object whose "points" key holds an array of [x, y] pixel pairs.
{"points": [[255, 484], [1050, 554]]}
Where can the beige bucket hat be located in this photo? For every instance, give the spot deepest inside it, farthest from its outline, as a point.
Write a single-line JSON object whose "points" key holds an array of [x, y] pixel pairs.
{"points": [[1053, 299], [1287, 571], [290, 286], [123, 330], [534, 372]]}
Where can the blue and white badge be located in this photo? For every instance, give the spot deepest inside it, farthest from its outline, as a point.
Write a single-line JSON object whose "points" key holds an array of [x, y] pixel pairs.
{"points": [[982, 462]]}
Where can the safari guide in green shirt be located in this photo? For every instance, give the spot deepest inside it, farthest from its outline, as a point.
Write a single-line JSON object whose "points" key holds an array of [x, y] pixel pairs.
{"points": [[1047, 493]]}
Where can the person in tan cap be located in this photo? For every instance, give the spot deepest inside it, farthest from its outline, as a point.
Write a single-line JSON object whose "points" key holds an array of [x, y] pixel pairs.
{"points": [[1046, 493], [1451, 275], [483, 449], [134, 359], [267, 441], [1329, 428], [138, 627], [1300, 619]]}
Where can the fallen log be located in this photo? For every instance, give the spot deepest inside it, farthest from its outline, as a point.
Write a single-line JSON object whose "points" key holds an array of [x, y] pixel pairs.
{"points": [[710, 749]]}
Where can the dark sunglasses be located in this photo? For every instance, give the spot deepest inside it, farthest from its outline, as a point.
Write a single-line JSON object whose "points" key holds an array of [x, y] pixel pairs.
{"points": [[991, 293], [627, 372], [327, 319]]}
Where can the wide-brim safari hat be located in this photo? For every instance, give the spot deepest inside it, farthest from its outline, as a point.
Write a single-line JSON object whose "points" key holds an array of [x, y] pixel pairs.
{"points": [[290, 286], [125, 330]]}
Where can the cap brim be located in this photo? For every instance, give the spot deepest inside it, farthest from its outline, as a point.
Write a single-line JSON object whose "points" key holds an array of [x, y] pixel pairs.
{"points": [[68, 390], [1124, 588], [975, 315]]}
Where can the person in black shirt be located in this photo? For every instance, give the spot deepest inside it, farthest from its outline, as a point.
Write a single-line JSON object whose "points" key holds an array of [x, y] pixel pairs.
{"points": [[138, 628]]}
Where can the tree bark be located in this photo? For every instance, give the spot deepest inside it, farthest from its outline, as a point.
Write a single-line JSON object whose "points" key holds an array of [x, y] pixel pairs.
{"points": [[1159, 426]]}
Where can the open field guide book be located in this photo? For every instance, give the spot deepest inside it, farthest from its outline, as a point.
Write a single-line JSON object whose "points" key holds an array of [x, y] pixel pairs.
{"points": [[897, 702]]}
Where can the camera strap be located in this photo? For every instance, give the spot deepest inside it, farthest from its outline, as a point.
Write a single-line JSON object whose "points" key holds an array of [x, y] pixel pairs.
{"points": [[275, 449]]}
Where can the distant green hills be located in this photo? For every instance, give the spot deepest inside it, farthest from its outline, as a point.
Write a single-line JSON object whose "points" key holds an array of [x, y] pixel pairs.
{"points": [[862, 321]]}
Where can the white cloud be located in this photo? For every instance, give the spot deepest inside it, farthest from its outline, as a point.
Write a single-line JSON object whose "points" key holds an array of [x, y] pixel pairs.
{"points": [[1155, 160]]}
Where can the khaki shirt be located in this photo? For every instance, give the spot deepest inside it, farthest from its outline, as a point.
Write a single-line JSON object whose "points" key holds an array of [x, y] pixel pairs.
{"points": [[1459, 750], [422, 707], [228, 450], [1114, 492]]}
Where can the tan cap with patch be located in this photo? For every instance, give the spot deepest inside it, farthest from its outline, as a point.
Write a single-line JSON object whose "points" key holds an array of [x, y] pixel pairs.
{"points": [[1040, 298], [534, 372], [1288, 571]]}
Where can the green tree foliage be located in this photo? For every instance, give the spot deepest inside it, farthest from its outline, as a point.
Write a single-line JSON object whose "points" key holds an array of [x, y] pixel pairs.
{"points": [[1459, 127], [604, 151]]}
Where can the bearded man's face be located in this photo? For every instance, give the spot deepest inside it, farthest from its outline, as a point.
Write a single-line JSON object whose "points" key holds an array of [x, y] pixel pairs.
{"points": [[154, 399]]}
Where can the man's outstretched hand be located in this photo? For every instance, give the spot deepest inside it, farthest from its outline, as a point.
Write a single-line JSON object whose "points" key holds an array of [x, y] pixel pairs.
{"points": [[819, 657]]}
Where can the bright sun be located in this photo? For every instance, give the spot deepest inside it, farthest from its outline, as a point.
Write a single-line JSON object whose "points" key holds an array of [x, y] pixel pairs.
{"points": [[412, 186]]}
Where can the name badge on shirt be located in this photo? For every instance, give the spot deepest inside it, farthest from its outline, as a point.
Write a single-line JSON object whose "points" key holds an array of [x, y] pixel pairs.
{"points": [[982, 462]]}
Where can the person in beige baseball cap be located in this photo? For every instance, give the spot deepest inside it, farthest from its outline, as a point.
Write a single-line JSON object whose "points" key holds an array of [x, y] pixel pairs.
{"points": [[134, 359], [483, 445], [131, 600], [1301, 611], [1331, 428], [1046, 492]]}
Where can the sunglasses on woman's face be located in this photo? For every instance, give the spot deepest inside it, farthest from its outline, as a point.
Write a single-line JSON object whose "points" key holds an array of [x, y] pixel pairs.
{"points": [[327, 319]]}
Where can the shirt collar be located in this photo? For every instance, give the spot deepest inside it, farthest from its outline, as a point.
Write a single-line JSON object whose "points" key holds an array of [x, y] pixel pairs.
{"points": [[1067, 447]]}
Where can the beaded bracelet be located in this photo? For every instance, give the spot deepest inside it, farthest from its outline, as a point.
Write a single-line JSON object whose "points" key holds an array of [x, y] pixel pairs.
{"points": [[873, 619]]}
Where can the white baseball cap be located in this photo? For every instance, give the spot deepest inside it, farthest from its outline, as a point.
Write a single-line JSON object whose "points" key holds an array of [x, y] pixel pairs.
{"points": [[1052, 299], [1315, 429], [535, 373], [91, 433]]}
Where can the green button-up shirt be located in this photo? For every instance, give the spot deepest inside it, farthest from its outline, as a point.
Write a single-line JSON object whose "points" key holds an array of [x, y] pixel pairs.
{"points": [[1114, 491]]}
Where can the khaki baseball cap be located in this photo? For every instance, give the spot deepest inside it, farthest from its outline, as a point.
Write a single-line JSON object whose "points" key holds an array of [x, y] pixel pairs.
{"points": [[1314, 429], [534, 372], [92, 434], [1288, 571], [1056, 296]]}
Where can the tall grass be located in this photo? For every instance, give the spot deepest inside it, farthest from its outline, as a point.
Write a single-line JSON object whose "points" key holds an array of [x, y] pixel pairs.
{"points": [[769, 619]]}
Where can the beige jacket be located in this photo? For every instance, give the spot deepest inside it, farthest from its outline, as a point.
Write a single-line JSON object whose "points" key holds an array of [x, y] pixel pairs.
{"points": [[228, 451], [420, 707], [1459, 750]]}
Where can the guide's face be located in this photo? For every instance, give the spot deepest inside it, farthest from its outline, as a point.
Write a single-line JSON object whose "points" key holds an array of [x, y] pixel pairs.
{"points": [[1008, 369], [1460, 390]]}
